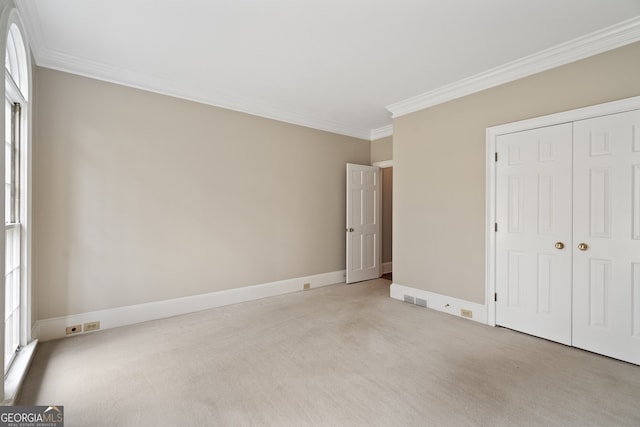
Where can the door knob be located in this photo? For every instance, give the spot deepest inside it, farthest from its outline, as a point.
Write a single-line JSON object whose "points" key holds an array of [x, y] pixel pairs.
{"points": [[559, 245], [349, 230], [583, 246]]}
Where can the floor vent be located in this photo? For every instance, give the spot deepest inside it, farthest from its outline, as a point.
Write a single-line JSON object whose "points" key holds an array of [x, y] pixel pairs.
{"points": [[421, 302], [409, 299]]}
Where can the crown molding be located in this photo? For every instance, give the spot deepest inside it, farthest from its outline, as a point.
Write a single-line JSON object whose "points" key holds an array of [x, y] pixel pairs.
{"points": [[381, 132], [600, 41], [100, 71], [49, 58], [609, 38]]}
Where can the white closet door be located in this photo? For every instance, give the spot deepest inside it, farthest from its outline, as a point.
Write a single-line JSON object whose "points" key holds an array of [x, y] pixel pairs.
{"points": [[533, 241], [606, 287]]}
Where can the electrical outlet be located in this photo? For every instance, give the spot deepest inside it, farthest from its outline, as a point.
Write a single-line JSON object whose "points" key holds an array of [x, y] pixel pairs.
{"points": [[73, 329], [466, 313], [91, 326], [306, 286]]}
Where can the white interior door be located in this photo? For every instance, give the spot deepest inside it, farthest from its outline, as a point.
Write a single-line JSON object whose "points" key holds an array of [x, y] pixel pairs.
{"points": [[606, 303], [533, 239], [363, 222]]}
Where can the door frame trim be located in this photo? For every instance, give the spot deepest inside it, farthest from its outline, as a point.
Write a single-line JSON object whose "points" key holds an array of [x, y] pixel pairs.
{"points": [[492, 133], [383, 164]]}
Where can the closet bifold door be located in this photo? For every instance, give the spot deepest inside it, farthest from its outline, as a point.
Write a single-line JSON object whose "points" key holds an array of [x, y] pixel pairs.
{"points": [[606, 231], [533, 242]]}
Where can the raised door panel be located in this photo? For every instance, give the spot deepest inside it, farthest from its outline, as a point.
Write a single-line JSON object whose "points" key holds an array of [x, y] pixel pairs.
{"points": [[635, 304], [635, 203]]}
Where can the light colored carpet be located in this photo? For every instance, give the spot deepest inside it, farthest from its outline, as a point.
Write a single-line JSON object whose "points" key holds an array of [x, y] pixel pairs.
{"points": [[344, 355]]}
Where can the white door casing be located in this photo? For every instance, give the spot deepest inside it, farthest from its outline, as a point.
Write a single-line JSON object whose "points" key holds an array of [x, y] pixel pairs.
{"points": [[533, 244], [606, 277], [363, 225]]}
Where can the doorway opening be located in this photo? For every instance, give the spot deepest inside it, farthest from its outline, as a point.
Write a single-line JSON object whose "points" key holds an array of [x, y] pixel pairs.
{"points": [[386, 169]]}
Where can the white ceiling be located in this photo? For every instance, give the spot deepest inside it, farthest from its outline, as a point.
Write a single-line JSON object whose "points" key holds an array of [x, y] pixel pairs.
{"points": [[331, 64]]}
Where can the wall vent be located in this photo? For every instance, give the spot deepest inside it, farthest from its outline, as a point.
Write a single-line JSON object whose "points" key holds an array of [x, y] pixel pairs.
{"points": [[421, 302], [409, 299]]}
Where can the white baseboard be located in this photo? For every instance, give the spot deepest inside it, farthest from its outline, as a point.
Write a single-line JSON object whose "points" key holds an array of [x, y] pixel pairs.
{"points": [[49, 329], [387, 267], [442, 303]]}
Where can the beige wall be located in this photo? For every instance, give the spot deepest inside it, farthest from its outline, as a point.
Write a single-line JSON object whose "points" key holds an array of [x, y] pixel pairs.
{"points": [[140, 197], [439, 167], [382, 149]]}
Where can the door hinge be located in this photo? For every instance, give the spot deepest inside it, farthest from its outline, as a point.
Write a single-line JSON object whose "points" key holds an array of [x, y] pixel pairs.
{"points": [[495, 296], [496, 153], [495, 227]]}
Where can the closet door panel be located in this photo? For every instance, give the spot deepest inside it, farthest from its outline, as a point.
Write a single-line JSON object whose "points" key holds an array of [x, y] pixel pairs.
{"points": [[606, 250], [533, 242]]}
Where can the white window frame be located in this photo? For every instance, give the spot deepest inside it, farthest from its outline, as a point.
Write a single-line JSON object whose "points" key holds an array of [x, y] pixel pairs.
{"points": [[9, 16], [14, 96]]}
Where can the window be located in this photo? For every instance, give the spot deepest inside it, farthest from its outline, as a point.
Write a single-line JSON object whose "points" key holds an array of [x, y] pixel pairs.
{"points": [[16, 97]]}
